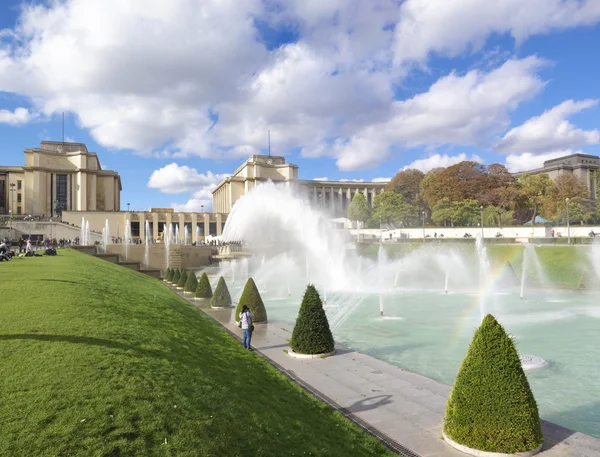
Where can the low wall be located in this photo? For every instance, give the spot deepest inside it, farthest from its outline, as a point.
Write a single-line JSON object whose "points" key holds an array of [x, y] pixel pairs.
{"points": [[48, 230], [180, 256]]}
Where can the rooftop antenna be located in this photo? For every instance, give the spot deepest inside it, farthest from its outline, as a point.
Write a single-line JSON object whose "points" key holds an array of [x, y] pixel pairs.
{"points": [[269, 135]]}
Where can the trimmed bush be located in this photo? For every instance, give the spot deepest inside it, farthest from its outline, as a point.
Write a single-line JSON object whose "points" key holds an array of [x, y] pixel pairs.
{"points": [[203, 290], [491, 407], [251, 298], [311, 333], [191, 283], [221, 298], [176, 276], [168, 275], [182, 278]]}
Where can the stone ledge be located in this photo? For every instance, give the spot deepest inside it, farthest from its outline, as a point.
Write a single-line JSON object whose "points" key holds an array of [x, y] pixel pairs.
{"points": [[297, 355], [478, 453]]}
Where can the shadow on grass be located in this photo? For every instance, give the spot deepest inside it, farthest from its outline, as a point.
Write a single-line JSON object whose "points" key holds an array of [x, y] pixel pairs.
{"points": [[60, 280], [85, 340]]}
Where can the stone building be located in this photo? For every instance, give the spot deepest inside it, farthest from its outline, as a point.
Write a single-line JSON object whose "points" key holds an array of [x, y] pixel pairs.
{"points": [[57, 174], [334, 196]]}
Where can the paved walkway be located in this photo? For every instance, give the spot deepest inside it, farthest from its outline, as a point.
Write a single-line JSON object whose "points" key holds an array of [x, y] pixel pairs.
{"points": [[406, 407]]}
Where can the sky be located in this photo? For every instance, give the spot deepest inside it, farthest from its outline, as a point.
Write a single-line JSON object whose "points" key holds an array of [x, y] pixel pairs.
{"points": [[176, 95]]}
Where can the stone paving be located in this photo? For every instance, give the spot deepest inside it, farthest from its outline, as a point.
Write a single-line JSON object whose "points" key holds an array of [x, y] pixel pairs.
{"points": [[405, 406]]}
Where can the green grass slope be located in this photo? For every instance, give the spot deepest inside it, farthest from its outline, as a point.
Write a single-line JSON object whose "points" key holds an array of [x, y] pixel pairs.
{"points": [[98, 360]]}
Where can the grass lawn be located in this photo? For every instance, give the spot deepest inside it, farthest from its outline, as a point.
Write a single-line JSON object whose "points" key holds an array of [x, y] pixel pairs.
{"points": [[98, 360]]}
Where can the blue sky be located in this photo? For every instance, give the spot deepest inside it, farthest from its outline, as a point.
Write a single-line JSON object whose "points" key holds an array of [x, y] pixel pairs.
{"points": [[174, 95]]}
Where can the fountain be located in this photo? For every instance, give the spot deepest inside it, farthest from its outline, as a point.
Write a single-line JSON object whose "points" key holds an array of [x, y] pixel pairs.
{"points": [[185, 235], [146, 245], [167, 242], [177, 239], [87, 233], [127, 238]]}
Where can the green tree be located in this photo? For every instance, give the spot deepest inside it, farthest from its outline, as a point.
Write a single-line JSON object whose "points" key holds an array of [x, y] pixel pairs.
{"points": [[176, 276], [221, 298], [533, 191], [573, 188], [467, 212], [497, 216], [392, 208], [203, 289], [182, 278], [252, 299], [491, 407], [358, 209], [443, 212], [191, 283], [168, 275], [312, 334], [408, 184]]}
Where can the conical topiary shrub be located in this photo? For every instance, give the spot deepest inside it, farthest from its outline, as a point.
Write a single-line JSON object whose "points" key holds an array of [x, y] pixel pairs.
{"points": [[176, 276], [203, 290], [221, 298], [167, 273], [191, 283], [311, 334], [182, 278], [491, 407], [251, 298]]}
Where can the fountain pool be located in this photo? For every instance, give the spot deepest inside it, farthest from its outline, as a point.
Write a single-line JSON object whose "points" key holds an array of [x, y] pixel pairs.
{"points": [[418, 309]]}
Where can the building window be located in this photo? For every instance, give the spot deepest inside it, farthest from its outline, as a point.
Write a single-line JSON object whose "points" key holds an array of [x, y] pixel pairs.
{"points": [[61, 191], [200, 228], [19, 184], [19, 210], [212, 229], [135, 229], [18, 198]]}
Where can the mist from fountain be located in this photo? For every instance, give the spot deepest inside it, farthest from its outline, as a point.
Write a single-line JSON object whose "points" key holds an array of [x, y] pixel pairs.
{"points": [[177, 239], [484, 273], [595, 256], [87, 233], [167, 243], [127, 238], [147, 244], [185, 235]]}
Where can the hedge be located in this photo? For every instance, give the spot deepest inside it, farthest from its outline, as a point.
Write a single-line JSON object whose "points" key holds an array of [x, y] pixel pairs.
{"points": [[491, 407], [221, 298], [311, 333], [182, 279], [191, 283], [203, 290], [251, 298], [169, 275], [176, 276]]}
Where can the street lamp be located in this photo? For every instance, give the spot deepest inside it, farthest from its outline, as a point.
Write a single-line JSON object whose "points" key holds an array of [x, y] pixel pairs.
{"points": [[482, 235], [202, 208], [568, 226], [12, 191], [128, 206], [30, 219], [11, 230], [423, 213]]}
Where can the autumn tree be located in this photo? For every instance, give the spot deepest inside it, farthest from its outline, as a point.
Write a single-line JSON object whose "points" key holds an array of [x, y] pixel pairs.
{"points": [[408, 184], [533, 192], [392, 208], [359, 210], [571, 187], [437, 184]]}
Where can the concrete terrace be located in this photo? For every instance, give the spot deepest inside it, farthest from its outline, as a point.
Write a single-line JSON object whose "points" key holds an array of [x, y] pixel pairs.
{"points": [[403, 408]]}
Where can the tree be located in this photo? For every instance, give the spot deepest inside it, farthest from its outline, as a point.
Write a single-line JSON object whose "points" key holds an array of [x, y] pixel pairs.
{"points": [[191, 283], [533, 190], [497, 216], [466, 212], [312, 334], [252, 299], [221, 298], [168, 275], [491, 407], [573, 188], [176, 276], [182, 278], [408, 184], [392, 208], [437, 184], [359, 210], [443, 212], [203, 289]]}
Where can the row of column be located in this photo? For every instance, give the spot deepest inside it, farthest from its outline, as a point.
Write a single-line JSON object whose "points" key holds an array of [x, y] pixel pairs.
{"points": [[334, 203], [180, 220]]}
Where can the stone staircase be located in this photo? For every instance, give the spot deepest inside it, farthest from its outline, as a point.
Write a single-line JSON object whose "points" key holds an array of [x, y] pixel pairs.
{"points": [[116, 259]]}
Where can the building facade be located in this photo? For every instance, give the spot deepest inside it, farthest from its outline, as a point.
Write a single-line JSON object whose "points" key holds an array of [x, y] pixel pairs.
{"points": [[57, 175], [333, 196], [583, 166]]}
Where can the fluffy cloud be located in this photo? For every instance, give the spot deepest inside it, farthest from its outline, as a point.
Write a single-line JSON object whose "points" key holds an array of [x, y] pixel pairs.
{"points": [[452, 27], [550, 131], [529, 161], [176, 179], [321, 179], [463, 110], [438, 160], [17, 117], [162, 79]]}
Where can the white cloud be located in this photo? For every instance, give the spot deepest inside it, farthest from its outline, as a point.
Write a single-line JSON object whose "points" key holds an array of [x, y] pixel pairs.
{"points": [[17, 117], [193, 205], [550, 131], [529, 161], [320, 179], [453, 27], [440, 161], [176, 179], [462, 110], [381, 180]]}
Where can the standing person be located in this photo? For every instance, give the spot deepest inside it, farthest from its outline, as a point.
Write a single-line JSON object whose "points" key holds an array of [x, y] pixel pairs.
{"points": [[247, 328]]}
